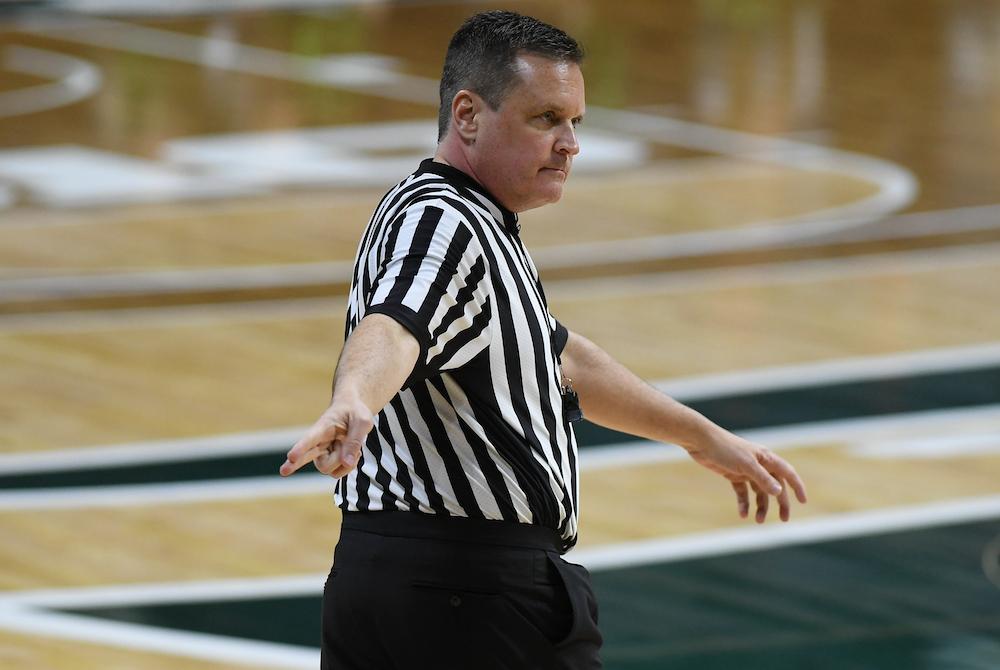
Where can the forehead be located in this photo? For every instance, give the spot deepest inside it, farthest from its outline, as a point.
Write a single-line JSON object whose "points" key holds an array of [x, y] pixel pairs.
{"points": [[543, 82]]}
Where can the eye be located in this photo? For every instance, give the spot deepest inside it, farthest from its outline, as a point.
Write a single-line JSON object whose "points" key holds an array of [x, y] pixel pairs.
{"points": [[577, 121], [548, 117]]}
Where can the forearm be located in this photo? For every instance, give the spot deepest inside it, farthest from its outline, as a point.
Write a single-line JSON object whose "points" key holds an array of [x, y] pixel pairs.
{"points": [[377, 358], [614, 397]]}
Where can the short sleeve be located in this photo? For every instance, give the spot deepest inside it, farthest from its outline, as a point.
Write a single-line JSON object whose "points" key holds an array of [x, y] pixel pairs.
{"points": [[434, 282]]}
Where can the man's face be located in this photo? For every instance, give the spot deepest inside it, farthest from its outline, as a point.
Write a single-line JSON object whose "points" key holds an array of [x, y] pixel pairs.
{"points": [[524, 150]]}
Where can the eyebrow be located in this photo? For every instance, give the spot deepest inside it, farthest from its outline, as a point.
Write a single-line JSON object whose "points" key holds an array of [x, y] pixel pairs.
{"points": [[559, 109]]}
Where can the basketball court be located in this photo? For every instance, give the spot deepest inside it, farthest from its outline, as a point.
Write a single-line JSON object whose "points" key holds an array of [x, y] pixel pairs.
{"points": [[785, 214]]}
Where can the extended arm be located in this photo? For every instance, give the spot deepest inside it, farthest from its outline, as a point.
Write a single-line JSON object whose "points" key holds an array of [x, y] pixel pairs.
{"points": [[612, 396], [376, 360]]}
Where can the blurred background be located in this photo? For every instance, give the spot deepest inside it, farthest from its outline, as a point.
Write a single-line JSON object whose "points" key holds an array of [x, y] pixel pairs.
{"points": [[786, 213]]}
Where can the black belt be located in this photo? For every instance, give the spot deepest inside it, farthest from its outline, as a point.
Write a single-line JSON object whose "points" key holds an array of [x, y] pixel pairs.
{"points": [[455, 529]]}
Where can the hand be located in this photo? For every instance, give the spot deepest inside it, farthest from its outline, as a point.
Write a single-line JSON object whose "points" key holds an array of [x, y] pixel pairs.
{"points": [[333, 444], [746, 464]]}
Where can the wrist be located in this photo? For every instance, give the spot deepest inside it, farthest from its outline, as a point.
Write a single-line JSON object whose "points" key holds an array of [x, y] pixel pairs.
{"points": [[346, 394], [699, 433]]}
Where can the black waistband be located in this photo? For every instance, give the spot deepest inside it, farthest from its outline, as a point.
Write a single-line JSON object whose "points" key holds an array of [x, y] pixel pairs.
{"points": [[455, 529]]}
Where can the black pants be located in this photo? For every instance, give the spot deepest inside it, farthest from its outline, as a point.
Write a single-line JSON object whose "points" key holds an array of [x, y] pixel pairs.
{"points": [[411, 590]]}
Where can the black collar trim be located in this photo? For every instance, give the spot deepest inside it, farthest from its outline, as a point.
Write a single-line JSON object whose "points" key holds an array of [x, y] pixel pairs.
{"points": [[460, 178]]}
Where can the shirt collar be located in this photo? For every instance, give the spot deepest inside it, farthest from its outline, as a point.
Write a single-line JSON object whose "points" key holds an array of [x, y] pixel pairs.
{"points": [[456, 176]]}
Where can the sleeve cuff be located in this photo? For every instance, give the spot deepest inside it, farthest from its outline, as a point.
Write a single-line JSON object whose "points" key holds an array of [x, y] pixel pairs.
{"points": [[408, 319], [559, 338]]}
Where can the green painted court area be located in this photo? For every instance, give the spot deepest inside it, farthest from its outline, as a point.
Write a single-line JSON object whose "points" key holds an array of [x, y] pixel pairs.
{"points": [[927, 599], [910, 600]]}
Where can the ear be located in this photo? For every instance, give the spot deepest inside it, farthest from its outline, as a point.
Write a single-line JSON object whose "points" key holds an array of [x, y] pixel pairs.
{"points": [[465, 108]]}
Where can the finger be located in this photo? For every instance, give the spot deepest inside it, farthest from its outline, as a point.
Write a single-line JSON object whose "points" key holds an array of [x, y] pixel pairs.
{"points": [[294, 461], [314, 443], [328, 461], [760, 476], [341, 471], [787, 473], [784, 508], [793, 479], [763, 502], [296, 458], [742, 499]]}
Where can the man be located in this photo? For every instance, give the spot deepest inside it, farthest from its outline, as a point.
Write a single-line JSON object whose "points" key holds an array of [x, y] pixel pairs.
{"points": [[459, 497]]}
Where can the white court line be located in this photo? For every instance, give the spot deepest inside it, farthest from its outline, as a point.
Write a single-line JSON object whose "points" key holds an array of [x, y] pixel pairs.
{"points": [[371, 74], [176, 281], [173, 316], [19, 613], [682, 281], [201, 7], [841, 370], [152, 451], [684, 389], [158, 640], [165, 593], [897, 187], [785, 438], [913, 225], [948, 446], [821, 529], [749, 537], [76, 79], [178, 493], [591, 459], [780, 273]]}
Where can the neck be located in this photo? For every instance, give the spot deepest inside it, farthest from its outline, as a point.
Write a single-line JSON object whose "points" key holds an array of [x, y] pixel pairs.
{"points": [[454, 154]]}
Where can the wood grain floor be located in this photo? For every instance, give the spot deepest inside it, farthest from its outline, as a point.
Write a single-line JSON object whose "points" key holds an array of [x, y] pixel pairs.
{"points": [[106, 382], [80, 370]]}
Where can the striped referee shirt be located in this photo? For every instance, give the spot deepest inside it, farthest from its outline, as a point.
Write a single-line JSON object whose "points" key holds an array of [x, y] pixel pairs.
{"points": [[478, 429]]}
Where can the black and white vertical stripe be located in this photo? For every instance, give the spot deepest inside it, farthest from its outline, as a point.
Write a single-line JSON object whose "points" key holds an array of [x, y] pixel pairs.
{"points": [[478, 429]]}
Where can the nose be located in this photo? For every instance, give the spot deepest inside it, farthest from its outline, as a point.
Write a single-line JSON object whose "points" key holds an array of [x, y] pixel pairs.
{"points": [[566, 142]]}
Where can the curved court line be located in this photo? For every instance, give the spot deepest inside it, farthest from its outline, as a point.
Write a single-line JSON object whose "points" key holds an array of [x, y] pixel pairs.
{"points": [[375, 75], [368, 73], [76, 79], [897, 189], [199, 7], [903, 226]]}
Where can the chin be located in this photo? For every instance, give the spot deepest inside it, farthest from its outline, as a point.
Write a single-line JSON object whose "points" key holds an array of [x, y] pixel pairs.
{"points": [[549, 194]]}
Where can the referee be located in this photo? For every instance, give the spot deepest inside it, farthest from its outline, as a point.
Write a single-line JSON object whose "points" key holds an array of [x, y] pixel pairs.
{"points": [[450, 429]]}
